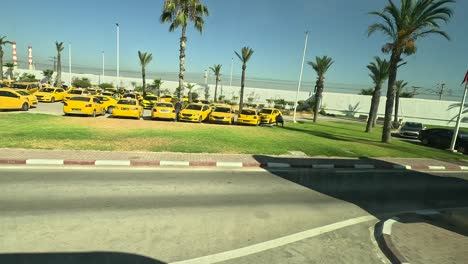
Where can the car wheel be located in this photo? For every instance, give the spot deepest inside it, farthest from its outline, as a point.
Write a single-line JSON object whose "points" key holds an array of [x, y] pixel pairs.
{"points": [[94, 113], [25, 107], [461, 149], [52, 100], [200, 120], [110, 109]]}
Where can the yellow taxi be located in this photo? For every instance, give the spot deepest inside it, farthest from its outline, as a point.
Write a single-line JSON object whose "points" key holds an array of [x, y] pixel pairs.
{"points": [[268, 115], [248, 117], [128, 108], [222, 114], [83, 105], [163, 111], [108, 102], [148, 101], [31, 97], [11, 99], [166, 98], [50, 94], [130, 96], [6, 83], [74, 92], [195, 113], [29, 87]]}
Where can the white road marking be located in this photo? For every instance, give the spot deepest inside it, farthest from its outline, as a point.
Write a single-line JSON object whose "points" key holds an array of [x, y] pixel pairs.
{"points": [[173, 163], [436, 167], [44, 162], [463, 167], [229, 164], [112, 163], [387, 226], [278, 242]]}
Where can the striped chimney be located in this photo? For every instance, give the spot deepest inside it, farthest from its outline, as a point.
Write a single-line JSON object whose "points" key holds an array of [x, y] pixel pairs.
{"points": [[15, 57], [30, 60]]}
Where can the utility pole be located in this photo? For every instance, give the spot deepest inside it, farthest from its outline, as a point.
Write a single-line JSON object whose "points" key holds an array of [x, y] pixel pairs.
{"points": [[118, 55], [459, 118], [69, 65], [232, 67], [441, 90], [103, 66], [300, 76]]}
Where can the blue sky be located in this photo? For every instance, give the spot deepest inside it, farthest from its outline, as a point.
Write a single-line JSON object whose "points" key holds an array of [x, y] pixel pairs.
{"points": [[273, 28]]}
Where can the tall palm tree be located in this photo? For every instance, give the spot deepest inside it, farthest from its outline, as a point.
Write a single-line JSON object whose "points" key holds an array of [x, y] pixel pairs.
{"points": [[145, 59], [48, 74], [378, 73], [179, 13], [217, 72], [244, 57], [10, 66], [190, 86], [399, 86], [3, 42], [59, 47], [158, 83], [403, 25], [321, 66]]}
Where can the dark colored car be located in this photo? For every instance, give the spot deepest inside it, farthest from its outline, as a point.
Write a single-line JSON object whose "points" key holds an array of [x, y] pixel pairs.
{"points": [[410, 129], [442, 137]]}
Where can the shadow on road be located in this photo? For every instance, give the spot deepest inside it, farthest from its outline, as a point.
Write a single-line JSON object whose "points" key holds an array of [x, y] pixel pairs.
{"points": [[76, 258]]}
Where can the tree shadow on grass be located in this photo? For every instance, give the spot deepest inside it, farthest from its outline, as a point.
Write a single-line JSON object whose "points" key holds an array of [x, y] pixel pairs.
{"points": [[76, 258]]}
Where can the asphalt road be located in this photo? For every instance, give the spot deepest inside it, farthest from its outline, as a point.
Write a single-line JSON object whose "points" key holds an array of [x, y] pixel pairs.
{"points": [[162, 216]]}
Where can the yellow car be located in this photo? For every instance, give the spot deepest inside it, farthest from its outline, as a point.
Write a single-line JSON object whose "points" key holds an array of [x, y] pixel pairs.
{"points": [[74, 92], [149, 101], [11, 99], [222, 114], [248, 117], [268, 115], [50, 94], [6, 83], [163, 111], [29, 87], [83, 105], [166, 98], [108, 102], [195, 113], [128, 108], [31, 97]]}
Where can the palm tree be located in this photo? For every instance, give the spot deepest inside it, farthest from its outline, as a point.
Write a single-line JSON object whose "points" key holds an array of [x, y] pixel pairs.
{"points": [[48, 74], [10, 66], [145, 59], [244, 58], [217, 72], [158, 83], [321, 66], [179, 13], [2, 43], [378, 73], [189, 88], [399, 86], [59, 47], [403, 25]]}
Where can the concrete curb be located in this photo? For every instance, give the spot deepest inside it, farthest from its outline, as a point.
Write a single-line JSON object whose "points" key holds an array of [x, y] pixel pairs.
{"points": [[224, 164]]}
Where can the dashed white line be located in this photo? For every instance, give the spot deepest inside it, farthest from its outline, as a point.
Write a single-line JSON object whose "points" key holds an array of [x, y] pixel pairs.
{"points": [[112, 163], [44, 162]]}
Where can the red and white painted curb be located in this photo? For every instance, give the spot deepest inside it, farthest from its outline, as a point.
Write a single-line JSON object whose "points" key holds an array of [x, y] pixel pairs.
{"points": [[224, 164]]}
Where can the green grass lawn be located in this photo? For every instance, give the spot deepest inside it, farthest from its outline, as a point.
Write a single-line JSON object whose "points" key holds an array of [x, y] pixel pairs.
{"points": [[322, 139]]}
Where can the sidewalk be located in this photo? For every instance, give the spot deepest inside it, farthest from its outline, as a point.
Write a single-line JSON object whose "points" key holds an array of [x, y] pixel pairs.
{"points": [[430, 237], [297, 160]]}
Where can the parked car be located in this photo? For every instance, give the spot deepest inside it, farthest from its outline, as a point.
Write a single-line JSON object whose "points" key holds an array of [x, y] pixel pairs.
{"points": [[128, 108], [268, 115], [29, 87], [166, 98], [83, 105], [149, 101], [248, 117], [195, 113], [108, 102], [130, 96], [163, 111], [410, 129], [11, 99], [50, 94], [442, 137], [222, 114], [31, 97], [74, 92]]}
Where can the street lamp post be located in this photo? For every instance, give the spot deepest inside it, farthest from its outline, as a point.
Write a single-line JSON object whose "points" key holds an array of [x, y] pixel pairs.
{"points": [[232, 66], [69, 64], [459, 118], [118, 54], [103, 66], [300, 76]]}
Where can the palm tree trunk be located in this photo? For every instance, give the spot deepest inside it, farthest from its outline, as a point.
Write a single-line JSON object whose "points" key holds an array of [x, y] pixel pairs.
{"points": [[374, 108], [190, 96], [11, 73], [386, 133], [216, 90], [318, 98], [241, 101], [59, 70], [1, 63], [183, 42], [397, 106], [143, 76]]}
